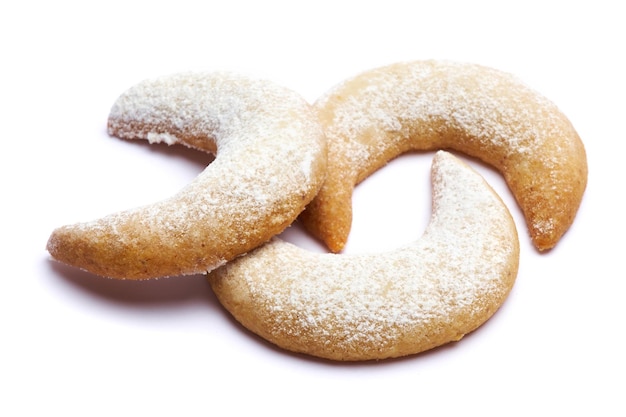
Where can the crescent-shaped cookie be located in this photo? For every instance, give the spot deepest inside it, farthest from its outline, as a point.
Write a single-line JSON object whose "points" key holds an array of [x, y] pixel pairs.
{"points": [[270, 162], [375, 306], [428, 105]]}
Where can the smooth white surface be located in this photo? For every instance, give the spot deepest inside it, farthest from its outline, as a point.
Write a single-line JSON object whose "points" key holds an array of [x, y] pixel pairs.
{"points": [[75, 344]]}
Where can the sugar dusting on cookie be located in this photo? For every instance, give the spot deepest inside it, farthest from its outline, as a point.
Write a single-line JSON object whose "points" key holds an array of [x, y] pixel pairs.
{"points": [[483, 112], [270, 162], [372, 306]]}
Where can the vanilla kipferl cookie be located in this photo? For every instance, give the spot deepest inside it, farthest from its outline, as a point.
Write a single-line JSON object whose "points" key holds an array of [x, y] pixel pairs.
{"points": [[427, 105], [375, 306], [270, 162]]}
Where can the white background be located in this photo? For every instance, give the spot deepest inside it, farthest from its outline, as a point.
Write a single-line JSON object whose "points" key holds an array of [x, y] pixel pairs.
{"points": [[74, 344]]}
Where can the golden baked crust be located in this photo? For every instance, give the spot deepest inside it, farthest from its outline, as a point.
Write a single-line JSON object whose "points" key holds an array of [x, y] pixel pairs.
{"points": [[427, 105], [271, 160], [376, 306]]}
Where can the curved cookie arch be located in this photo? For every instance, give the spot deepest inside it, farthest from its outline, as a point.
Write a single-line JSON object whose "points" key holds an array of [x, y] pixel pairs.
{"points": [[428, 105], [270, 162], [376, 306]]}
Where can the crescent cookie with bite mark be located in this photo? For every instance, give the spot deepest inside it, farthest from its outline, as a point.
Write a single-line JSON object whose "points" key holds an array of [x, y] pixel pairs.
{"points": [[384, 305], [270, 162], [428, 105]]}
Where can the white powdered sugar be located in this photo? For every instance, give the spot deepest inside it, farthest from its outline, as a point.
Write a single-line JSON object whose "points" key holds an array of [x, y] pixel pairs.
{"points": [[460, 270], [265, 139], [270, 161], [490, 108], [483, 112]]}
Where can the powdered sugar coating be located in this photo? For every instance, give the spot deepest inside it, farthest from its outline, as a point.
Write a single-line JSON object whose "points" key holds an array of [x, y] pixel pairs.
{"points": [[426, 105], [374, 306], [270, 162]]}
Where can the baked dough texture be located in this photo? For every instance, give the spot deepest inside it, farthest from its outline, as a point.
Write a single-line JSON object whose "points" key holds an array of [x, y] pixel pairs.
{"points": [[270, 162], [428, 105], [383, 305]]}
